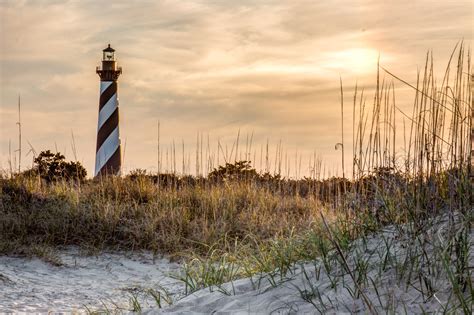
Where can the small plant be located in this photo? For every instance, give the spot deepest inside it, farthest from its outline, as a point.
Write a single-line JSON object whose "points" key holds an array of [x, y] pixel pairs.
{"points": [[160, 295], [135, 304]]}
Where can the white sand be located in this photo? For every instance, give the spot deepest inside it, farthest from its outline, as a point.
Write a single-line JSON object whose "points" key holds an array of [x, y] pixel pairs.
{"points": [[31, 285], [259, 296], [107, 280]]}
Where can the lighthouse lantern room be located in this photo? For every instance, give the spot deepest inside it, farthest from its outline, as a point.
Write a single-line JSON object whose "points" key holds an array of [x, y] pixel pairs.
{"points": [[109, 53]]}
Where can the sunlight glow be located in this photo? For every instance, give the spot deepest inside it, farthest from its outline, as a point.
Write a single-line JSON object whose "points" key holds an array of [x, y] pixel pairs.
{"points": [[357, 60]]}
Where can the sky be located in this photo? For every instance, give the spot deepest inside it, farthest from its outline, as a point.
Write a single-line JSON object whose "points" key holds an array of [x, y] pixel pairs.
{"points": [[269, 70]]}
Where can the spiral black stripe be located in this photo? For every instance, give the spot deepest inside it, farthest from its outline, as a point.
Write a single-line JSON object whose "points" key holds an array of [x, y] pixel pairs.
{"points": [[107, 128], [107, 94], [113, 164]]}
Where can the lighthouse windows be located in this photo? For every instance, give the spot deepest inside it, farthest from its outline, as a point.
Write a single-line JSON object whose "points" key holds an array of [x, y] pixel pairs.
{"points": [[108, 55]]}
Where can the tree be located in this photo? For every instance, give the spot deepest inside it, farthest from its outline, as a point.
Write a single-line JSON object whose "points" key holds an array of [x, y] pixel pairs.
{"points": [[237, 171], [53, 167]]}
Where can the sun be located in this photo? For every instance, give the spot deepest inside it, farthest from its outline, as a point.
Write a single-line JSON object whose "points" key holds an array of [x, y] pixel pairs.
{"points": [[357, 60]]}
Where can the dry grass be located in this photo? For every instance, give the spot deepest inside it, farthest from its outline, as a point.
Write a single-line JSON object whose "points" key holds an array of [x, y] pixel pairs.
{"points": [[137, 214]]}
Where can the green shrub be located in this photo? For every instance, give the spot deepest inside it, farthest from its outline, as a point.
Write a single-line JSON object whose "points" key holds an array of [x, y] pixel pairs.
{"points": [[53, 167]]}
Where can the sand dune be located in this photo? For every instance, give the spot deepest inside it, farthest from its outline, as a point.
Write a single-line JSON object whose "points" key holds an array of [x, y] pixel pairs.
{"points": [[310, 289]]}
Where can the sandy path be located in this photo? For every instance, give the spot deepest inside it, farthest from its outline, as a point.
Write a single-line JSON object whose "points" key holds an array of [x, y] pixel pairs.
{"points": [[32, 285]]}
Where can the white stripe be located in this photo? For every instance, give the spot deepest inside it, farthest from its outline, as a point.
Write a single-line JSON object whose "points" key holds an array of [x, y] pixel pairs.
{"points": [[104, 85], [107, 110], [107, 149]]}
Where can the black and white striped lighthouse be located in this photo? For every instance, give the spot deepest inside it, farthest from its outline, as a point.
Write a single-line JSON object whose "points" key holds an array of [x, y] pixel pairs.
{"points": [[108, 159]]}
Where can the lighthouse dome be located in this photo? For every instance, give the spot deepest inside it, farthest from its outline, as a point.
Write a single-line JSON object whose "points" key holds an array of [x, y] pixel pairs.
{"points": [[109, 49]]}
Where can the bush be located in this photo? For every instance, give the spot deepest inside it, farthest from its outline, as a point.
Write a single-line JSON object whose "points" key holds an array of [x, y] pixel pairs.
{"points": [[52, 167], [238, 171]]}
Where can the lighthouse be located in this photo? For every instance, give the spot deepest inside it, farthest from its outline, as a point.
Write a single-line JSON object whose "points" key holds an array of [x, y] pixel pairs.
{"points": [[108, 159]]}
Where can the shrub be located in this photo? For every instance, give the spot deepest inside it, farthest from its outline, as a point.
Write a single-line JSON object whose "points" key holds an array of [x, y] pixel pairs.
{"points": [[237, 171], [52, 167]]}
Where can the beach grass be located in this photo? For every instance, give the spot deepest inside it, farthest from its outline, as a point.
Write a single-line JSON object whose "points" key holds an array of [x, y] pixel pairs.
{"points": [[227, 226]]}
